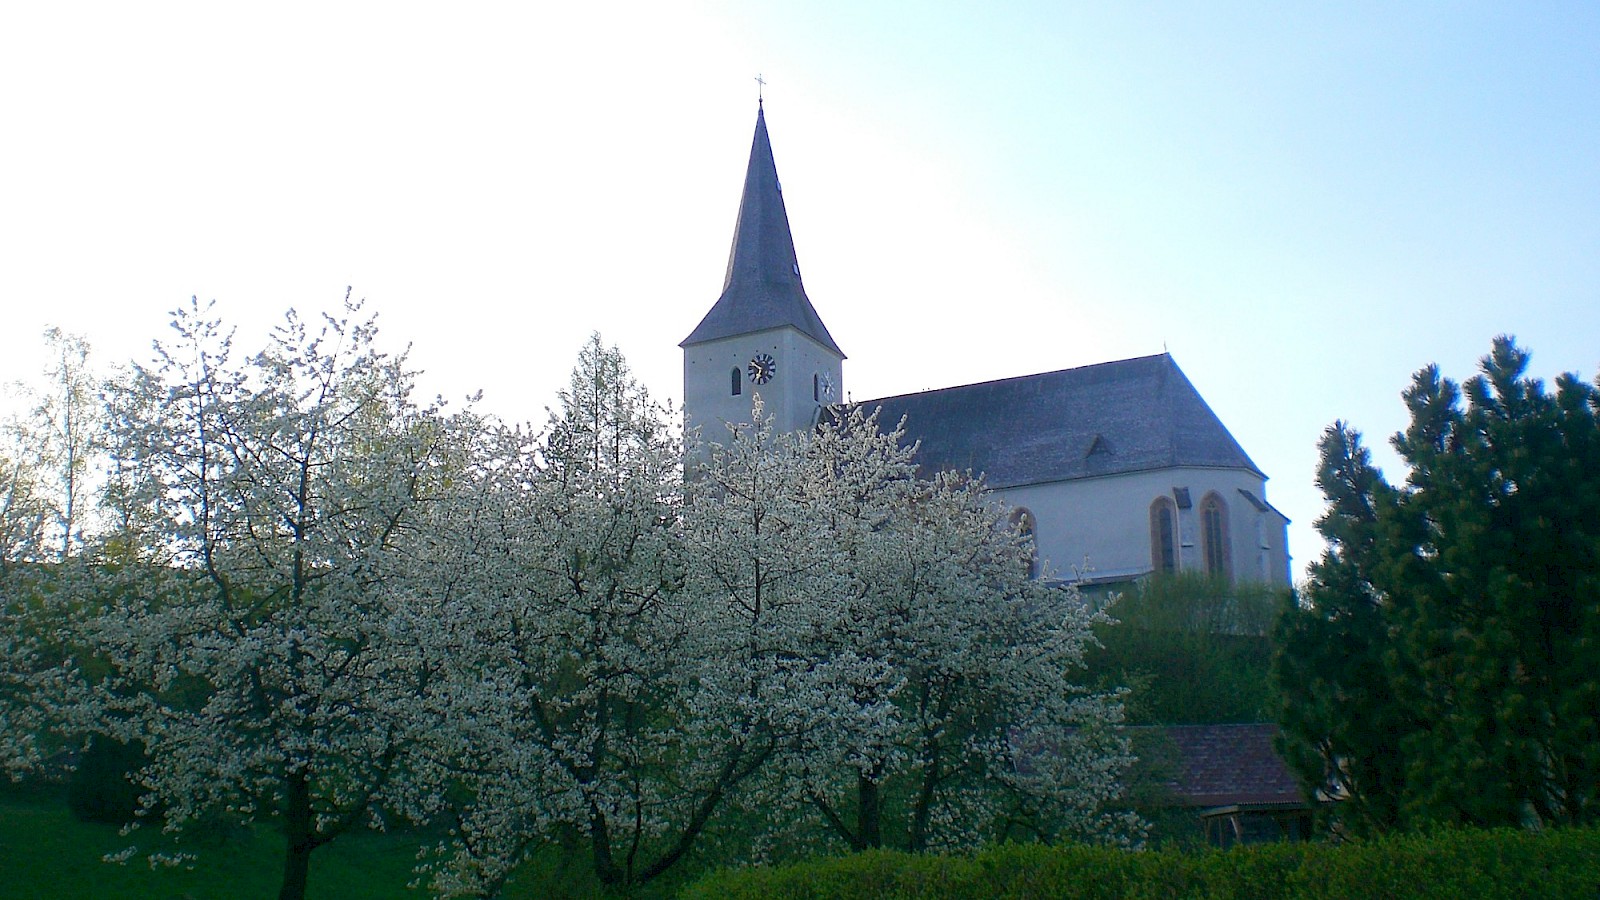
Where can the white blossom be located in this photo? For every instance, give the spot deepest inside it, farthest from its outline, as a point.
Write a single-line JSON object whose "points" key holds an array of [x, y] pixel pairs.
{"points": [[271, 637], [805, 623], [581, 703], [924, 676]]}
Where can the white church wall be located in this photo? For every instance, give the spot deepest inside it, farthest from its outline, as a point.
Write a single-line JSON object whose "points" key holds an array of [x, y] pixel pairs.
{"points": [[1099, 528], [1094, 527]]}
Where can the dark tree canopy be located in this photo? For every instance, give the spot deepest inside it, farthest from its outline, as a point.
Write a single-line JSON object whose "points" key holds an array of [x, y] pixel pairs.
{"points": [[1443, 665], [1194, 648]]}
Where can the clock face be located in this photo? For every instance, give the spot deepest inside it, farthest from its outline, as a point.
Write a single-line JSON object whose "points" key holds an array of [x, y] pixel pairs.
{"points": [[762, 367], [826, 384]]}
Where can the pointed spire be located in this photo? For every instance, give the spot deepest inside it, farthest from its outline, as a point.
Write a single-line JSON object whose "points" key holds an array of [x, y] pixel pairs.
{"points": [[762, 289]]}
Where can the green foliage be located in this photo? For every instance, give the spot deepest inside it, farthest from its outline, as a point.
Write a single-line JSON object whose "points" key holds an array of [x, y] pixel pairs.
{"points": [[1450, 865], [1441, 667], [1197, 603], [1193, 648]]}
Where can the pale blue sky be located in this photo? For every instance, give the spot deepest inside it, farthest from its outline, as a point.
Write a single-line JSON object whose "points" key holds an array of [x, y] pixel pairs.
{"points": [[1303, 204]]}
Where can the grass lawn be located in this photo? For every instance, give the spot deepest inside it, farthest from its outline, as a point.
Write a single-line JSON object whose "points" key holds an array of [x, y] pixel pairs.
{"points": [[45, 853]]}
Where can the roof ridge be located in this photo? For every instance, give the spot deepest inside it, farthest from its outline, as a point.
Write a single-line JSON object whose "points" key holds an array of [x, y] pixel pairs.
{"points": [[1031, 375]]}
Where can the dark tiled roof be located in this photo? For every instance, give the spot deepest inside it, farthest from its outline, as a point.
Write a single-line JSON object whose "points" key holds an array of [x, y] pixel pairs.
{"points": [[1116, 417], [763, 288], [1217, 765]]}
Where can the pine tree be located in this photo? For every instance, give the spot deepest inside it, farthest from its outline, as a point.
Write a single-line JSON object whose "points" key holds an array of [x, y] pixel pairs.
{"points": [[1339, 714], [1445, 663]]}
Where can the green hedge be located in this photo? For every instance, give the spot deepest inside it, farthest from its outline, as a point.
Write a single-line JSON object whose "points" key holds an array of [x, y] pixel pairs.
{"points": [[1456, 865]]}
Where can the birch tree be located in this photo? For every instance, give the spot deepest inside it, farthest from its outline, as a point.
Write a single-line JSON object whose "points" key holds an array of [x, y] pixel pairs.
{"points": [[24, 503], [267, 646], [31, 676], [24, 513], [46, 457], [69, 417]]}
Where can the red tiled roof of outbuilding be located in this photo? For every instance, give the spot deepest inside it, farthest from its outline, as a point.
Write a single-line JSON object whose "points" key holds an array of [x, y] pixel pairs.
{"points": [[1218, 765]]}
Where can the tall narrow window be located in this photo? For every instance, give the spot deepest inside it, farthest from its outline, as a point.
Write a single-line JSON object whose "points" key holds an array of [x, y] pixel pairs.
{"points": [[1022, 520], [816, 387], [1214, 535], [1164, 535], [736, 383]]}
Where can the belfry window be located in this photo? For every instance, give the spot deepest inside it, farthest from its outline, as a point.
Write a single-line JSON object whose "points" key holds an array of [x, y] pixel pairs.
{"points": [[1164, 535], [1214, 535], [736, 383]]}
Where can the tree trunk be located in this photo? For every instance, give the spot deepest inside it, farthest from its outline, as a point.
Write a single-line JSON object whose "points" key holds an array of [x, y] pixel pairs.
{"points": [[605, 866], [922, 812], [869, 815], [297, 829], [627, 878]]}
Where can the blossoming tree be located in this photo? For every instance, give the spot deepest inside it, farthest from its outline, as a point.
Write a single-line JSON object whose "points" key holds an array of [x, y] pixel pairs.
{"points": [[923, 676], [269, 644]]}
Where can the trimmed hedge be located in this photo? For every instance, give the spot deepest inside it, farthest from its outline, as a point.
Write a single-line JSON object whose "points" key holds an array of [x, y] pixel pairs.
{"points": [[1453, 865]]}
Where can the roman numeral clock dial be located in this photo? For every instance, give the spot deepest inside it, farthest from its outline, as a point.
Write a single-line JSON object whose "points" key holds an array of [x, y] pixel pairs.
{"points": [[762, 367]]}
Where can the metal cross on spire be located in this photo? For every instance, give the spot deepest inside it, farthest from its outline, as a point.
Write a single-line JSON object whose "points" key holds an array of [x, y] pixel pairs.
{"points": [[761, 84]]}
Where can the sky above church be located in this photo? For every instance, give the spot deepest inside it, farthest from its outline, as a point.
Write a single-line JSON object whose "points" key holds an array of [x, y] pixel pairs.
{"points": [[1302, 203]]}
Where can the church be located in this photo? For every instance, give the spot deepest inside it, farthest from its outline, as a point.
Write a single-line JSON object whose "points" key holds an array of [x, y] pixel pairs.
{"points": [[1119, 469]]}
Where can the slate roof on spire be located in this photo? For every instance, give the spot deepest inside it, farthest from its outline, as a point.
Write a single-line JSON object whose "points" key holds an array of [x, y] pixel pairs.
{"points": [[763, 288], [1126, 416]]}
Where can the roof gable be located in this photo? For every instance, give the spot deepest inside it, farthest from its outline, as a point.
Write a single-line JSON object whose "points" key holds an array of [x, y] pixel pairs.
{"points": [[762, 289], [1126, 416]]}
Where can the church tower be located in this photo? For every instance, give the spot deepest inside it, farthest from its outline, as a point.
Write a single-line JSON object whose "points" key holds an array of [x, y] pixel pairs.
{"points": [[762, 336]]}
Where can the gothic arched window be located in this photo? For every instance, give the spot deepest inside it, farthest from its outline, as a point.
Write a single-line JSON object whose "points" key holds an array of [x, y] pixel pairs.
{"points": [[1022, 521], [1164, 535], [736, 386], [1214, 535]]}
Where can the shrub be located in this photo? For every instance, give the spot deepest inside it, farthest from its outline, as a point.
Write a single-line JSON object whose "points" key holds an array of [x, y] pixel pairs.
{"points": [[1452, 865]]}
